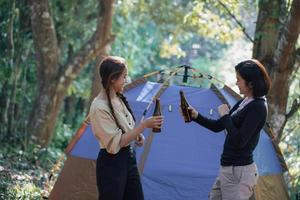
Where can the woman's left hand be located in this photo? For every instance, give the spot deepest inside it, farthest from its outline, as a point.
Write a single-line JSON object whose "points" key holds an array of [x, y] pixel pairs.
{"points": [[140, 140], [223, 110]]}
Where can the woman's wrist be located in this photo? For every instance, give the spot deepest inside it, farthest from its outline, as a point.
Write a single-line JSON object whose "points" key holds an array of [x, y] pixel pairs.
{"points": [[195, 115], [141, 127]]}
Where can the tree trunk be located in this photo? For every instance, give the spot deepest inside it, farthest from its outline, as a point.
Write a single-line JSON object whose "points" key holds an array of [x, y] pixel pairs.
{"points": [[69, 109], [4, 105], [275, 47], [96, 80], [53, 80]]}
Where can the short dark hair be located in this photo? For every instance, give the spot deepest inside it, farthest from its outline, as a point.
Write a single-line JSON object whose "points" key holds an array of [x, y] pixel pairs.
{"points": [[255, 75]]}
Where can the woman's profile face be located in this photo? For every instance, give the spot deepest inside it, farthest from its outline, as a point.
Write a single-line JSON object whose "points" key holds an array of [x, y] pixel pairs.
{"points": [[242, 85], [119, 83]]}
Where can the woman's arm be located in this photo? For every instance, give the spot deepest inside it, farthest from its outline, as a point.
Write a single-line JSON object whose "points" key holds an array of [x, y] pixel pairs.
{"points": [[134, 133], [211, 124], [110, 135], [256, 114]]}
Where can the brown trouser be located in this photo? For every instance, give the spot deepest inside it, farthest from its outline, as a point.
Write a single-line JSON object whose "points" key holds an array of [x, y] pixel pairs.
{"points": [[234, 183]]}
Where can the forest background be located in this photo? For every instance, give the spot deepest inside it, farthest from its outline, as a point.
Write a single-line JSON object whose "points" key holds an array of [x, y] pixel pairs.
{"points": [[50, 51]]}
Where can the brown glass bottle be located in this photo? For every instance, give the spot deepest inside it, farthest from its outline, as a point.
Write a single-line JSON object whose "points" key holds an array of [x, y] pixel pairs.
{"points": [[157, 112], [184, 107]]}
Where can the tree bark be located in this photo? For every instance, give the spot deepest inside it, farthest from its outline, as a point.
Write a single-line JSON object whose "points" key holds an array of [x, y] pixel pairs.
{"points": [[53, 80], [96, 80], [275, 47], [4, 105]]}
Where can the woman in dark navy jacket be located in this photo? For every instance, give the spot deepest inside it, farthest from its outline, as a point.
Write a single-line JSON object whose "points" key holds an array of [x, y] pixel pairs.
{"points": [[238, 173]]}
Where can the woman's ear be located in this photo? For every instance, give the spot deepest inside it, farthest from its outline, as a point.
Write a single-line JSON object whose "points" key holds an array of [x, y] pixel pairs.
{"points": [[250, 85]]}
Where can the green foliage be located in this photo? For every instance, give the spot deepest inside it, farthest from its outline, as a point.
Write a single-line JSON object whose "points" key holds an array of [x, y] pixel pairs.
{"points": [[159, 38], [23, 192], [290, 142], [212, 21], [25, 168], [64, 132], [81, 87], [17, 76], [139, 47], [75, 22]]}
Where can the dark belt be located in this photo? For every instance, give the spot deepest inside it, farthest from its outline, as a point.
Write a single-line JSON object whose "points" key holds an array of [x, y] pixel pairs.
{"points": [[127, 148]]}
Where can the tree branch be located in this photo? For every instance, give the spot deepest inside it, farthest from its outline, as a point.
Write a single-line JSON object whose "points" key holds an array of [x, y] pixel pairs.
{"points": [[295, 107], [289, 37], [236, 20], [93, 47], [297, 60]]}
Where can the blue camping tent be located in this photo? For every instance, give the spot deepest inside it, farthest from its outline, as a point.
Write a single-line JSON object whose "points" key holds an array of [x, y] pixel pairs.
{"points": [[179, 163]]}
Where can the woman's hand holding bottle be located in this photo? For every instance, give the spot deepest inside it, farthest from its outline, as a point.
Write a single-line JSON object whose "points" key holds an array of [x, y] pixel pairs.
{"points": [[223, 110], [153, 122], [192, 111]]}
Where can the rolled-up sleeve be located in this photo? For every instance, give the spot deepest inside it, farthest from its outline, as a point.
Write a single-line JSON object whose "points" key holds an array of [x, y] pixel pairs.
{"points": [[106, 130]]}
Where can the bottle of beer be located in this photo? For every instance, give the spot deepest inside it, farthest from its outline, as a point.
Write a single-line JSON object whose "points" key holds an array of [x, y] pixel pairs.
{"points": [[157, 112], [184, 107]]}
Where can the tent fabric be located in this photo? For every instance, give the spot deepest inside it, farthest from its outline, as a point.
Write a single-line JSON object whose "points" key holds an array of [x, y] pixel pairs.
{"points": [[77, 180], [267, 189], [88, 147], [184, 159]]}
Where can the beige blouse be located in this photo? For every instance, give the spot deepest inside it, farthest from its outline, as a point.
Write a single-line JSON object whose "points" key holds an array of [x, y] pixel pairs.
{"points": [[103, 123]]}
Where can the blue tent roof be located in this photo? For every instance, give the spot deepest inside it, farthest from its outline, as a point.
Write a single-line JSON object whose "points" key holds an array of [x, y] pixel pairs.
{"points": [[184, 158]]}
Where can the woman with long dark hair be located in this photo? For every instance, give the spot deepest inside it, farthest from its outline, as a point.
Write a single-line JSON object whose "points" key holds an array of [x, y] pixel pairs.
{"points": [[238, 173], [113, 124]]}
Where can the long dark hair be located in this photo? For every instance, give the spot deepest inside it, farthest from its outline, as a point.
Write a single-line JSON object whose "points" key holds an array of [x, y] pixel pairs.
{"points": [[255, 75], [111, 68]]}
